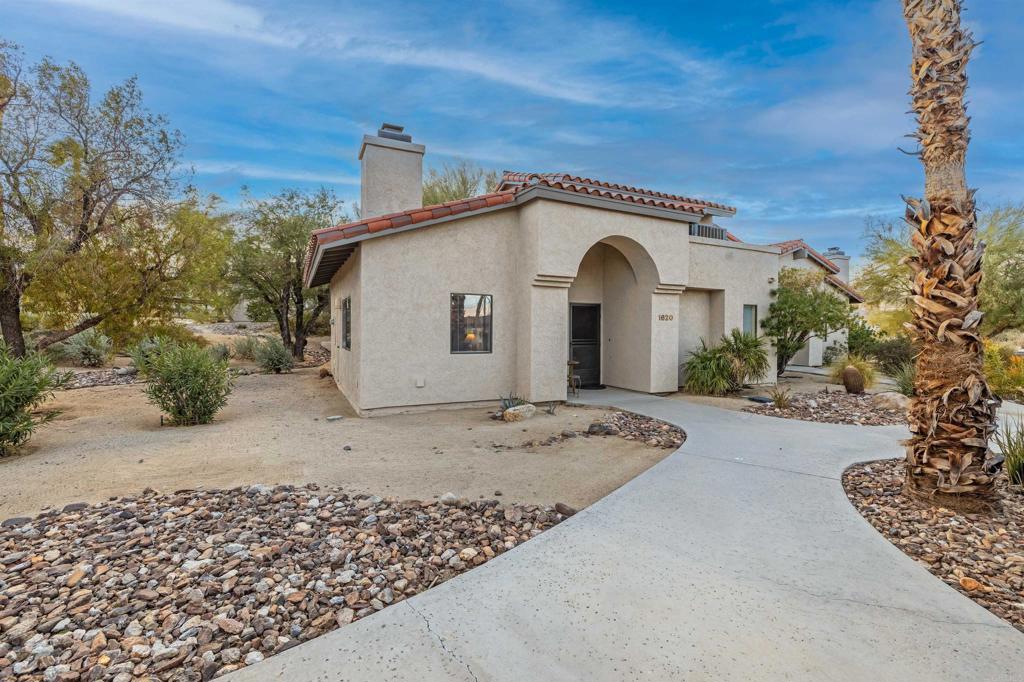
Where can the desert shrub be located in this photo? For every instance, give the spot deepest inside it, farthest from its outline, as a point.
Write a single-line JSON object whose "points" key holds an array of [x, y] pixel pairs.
{"points": [[167, 331], [272, 356], [219, 351], [144, 351], [893, 352], [86, 349], [245, 347], [904, 377], [1010, 441], [25, 384], [747, 357], [781, 397], [864, 366], [511, 400], [187, 383], [708, 371], [1004, 371], [835, 351], [861, 337]]}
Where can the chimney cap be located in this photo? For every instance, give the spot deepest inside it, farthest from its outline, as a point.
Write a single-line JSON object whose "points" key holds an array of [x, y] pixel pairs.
{"points": [[835, 251], [393, 131]]}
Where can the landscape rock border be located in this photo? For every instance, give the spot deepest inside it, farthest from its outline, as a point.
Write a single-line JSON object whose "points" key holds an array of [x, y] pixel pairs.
{"points": [[979, 555], [836, 407], [197, 583]]}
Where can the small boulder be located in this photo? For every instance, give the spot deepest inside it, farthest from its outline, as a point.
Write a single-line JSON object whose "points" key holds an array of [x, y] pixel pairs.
{"points": [[519, 413], [325, 370], [890, 400], [853, 380]]}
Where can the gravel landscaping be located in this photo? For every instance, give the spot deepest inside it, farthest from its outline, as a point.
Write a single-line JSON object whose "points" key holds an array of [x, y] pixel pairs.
{"points": [[197, 583], [837, 407], [980, 555]]}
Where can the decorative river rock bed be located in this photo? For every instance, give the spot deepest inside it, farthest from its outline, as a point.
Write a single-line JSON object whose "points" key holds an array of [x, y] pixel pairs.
{"points": [[980, 555], [190, 585], [835, 407]]}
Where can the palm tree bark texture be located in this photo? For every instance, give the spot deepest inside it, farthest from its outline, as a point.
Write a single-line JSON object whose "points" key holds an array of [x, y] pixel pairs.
{"points": [[953, 412]]}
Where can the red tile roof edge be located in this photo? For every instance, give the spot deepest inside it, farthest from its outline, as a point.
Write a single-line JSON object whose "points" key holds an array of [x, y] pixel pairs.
{"points": [[791, 245], [840, 284], [513, 177]]}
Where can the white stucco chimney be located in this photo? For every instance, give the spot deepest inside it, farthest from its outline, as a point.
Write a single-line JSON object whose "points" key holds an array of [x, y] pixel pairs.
{"points": [[836, 255], [391, 172]]}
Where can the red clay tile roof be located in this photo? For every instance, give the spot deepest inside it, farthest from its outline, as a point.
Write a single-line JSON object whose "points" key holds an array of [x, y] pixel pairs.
{"points": [[846, 288], [793, 244], [610, 190]]}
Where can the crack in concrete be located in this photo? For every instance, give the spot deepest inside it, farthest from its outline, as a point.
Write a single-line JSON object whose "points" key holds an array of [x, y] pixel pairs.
{"points": [[690, 453], [440, 641], [889, 607]]}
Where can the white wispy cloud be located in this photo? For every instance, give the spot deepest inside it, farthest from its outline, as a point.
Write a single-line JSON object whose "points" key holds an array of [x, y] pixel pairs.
{"points": [[217, 17], [257, 171]]}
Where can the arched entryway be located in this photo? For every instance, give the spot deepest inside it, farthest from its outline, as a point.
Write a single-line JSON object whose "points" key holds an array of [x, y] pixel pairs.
{"points": [[611, 317]]}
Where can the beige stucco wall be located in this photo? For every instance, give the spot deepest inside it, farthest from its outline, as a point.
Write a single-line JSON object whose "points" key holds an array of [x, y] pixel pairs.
{"points": [[392, 176], [345, 364], [734, 275], [531, 259]]}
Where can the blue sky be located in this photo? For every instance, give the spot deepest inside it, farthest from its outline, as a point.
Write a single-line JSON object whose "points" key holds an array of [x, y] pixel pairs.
{"points": [[791, 110]]}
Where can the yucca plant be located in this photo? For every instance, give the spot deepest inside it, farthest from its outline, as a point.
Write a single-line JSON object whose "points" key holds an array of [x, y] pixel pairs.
{"points": [[1010, 441], [904, 377], [781, 397], [747, 356], [709, 371]]}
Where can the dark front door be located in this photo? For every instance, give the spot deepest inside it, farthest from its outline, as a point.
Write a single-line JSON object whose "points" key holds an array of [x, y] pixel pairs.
{"points": [[585, 342]]}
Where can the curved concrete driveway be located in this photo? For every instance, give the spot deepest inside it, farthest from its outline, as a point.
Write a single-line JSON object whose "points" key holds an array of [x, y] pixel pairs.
{"points": [[736, 558]]}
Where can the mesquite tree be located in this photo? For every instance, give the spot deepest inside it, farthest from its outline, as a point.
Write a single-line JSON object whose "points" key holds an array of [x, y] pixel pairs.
{"points": [[953, 412]]}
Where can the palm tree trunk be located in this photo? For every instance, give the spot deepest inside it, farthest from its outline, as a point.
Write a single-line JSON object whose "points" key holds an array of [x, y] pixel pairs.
{"points": [[952, 414]]}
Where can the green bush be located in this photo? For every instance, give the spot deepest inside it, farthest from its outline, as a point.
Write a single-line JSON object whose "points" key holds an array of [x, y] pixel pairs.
{"points": [[1004, 371], [512, 400], [144, 351], [708, 371], [835, 351], [245, 347], [25, 384], [1010, 441], [86, 349], [864, 366], [219, 352], [893, 352], [187, 383], [861, 338], [904, 377], [747, 357], [272, 356]]}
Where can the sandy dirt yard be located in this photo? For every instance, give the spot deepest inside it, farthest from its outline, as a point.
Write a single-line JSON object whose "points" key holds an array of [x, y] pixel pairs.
{"points": [[109, 442]]}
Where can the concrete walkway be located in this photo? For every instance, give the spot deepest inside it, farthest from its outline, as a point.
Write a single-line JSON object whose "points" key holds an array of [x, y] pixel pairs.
{"points": [[736, 558]]}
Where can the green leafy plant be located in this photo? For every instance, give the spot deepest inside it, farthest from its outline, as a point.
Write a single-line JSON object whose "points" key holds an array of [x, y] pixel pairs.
{"points": [[245, 347], [864, 366], [86, 349], [187, 383], [861, 337], [25, 384], [143, 353], [220, 352], [836, 350], [747, 357], [904, 377], [708, 371], [893, 352], [512, 400], [803, 307], [781, 397], [272, 356], [1010, 441], [1004, 371]]}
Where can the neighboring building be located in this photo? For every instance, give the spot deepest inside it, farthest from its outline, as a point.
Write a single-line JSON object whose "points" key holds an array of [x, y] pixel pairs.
{"points": [[796, 253], [469, 300]]}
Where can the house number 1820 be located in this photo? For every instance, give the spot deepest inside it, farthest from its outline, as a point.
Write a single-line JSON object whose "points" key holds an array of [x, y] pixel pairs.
{"points": [[666, 317]]}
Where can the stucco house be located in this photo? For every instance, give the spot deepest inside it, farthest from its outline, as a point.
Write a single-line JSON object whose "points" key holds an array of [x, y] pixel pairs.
{"points": [[465, 301], [835, 266]]}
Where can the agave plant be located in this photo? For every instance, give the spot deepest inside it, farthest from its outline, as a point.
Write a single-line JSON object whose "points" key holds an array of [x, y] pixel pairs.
{"points": [[952, 415]]}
